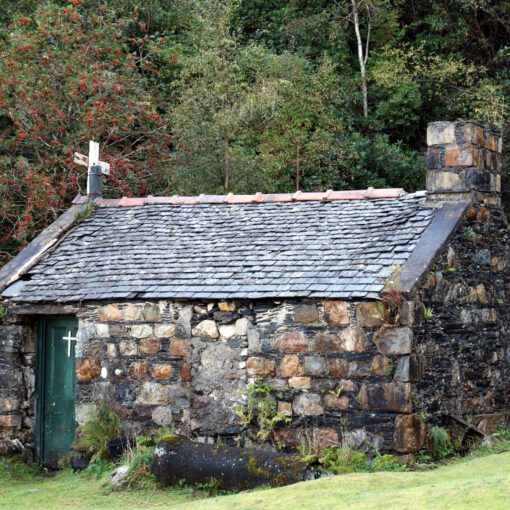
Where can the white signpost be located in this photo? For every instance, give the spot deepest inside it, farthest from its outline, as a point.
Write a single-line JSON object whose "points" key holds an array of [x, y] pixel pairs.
{"points": [[90, 161]]}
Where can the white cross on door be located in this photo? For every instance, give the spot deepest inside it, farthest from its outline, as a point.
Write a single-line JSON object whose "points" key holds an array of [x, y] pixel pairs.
{"points": [[69, 338]]}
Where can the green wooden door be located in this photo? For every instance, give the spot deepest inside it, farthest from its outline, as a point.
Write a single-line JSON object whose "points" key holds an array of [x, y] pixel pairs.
{"points": [[55, 418]]}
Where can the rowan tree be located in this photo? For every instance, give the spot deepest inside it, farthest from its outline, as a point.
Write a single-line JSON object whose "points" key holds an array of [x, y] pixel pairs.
{"points": [[69, 77]]}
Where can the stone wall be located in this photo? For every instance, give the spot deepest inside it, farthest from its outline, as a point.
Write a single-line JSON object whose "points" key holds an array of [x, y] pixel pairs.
{"points": [[17, 379], [335, 368], [463, 347]]}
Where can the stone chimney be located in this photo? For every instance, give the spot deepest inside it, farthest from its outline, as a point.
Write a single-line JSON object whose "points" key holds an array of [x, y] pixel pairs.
{"points": [[464, 161]]}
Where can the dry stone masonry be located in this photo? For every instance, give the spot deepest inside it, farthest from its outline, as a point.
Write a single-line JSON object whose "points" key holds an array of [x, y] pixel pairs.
{"points": [[335, 368]]}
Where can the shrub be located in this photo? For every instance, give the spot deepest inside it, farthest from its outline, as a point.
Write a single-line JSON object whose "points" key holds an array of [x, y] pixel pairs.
{"points": [[387, 463], [340, 460], [440, 443], [260, 409], [92, 437]]}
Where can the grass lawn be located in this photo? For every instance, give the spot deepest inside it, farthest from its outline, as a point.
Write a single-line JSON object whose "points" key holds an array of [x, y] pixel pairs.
{"points": [[479, 483]]}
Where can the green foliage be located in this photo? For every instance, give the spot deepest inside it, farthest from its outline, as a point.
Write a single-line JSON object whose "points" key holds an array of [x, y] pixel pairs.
{"points": [[15, 469], [83, 214], [340, 460], [428, 313], [439, 443], [93, 435], [260, 410], [388, 463], [469, 233], [211, 488], [3, 313], [139, 460], [162, 434]]}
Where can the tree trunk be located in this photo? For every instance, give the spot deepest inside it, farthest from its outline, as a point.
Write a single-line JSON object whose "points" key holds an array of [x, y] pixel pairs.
{"points": [[230, 467], [362, 54]]}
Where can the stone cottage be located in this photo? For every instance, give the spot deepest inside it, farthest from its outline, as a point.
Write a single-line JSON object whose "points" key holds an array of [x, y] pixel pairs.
{"points": [[371, 313]]}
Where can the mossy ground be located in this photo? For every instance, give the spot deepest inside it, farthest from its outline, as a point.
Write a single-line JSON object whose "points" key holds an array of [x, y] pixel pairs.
{"points": [[482, 482]]}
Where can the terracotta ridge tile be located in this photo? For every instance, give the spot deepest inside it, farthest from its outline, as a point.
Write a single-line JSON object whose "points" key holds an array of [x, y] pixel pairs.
{"points": [[257, 198]]}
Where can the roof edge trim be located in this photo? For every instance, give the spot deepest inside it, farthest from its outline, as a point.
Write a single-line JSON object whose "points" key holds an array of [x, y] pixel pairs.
{"points": [[431, 242], [38, 247]]}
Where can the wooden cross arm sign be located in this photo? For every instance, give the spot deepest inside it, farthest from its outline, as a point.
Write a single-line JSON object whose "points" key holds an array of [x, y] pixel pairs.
{"points": [[92, 159]]}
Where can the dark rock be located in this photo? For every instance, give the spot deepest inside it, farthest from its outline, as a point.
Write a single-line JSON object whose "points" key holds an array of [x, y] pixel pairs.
{"points": [[232, 468]]}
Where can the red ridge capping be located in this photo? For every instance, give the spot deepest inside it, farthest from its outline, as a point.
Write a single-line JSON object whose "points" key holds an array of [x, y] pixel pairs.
{"points": [[257, 198]]}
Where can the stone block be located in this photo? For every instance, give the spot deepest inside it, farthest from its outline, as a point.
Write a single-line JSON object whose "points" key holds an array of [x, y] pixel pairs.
{"points": [[285, 408], [207, 328], [291, 438], [306, 313], [165, 330], [333, 402], [492, 142], [84, 412], [444, 181], [141, 330], [292, 342], [242, 326], [151, 393], [128, 348], [290, 366], [301, 383], [348, 385], [323, 438], [9, 404], [336, 312], [139, 370], [162, 371], [324, 342], [359, 369], [353, 339], [308, 404], [88, 369], [394, 340], [150, 346], [227, 331], [179, 347], [314, 366], [185, 372], [410, 368], [151, 312], [439, 133], [380, 365], [133, 313], [179, 397], [260, 367], [394, 397], [433, 158], [162, 416], [369, 314], [337, 367], [254, 343], [10, 421], [406, 313], [109, 313], [471, 133], [111, 350], [226, 306], [409, 434], [101, 330]]}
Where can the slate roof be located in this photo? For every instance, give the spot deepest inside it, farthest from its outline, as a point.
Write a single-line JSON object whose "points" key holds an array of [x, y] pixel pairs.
{"points": [[303, 248]]}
